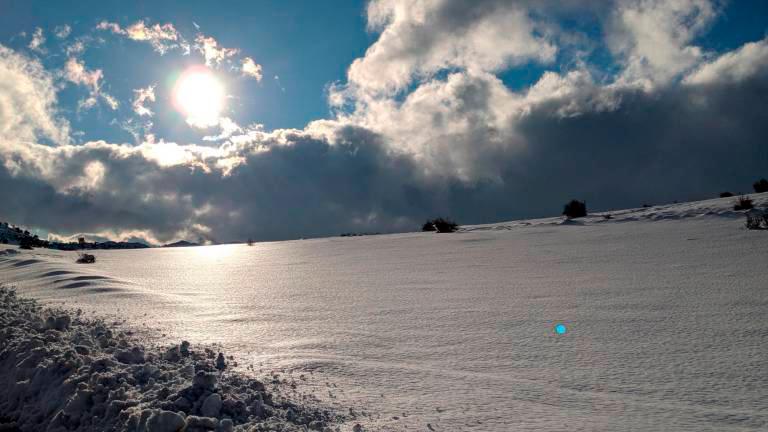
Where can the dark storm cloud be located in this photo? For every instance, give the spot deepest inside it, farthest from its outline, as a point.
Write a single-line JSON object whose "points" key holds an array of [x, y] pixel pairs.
{"points": [[683, 143], [305, 188]]}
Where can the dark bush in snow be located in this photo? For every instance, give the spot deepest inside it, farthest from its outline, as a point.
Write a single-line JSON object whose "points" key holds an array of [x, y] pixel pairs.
{"points": [[743, 203], [428, 226], [725, 194], [440, 225], [84, 258], [761, 186], [445, 225], [575, 209]]}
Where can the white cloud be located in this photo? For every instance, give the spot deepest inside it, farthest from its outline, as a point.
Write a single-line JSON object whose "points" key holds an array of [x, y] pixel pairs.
{"points": [[420, 38], [76, 72], [110, 100], [228, 128], [458, 123], [653, 37], [140, 96], [211, 51], [163, 38], [62, 32], [28, 101], [109, 26], [91, 178], [251, 68], [733, 66], [138, 128], [38, 40], [75, 48]]}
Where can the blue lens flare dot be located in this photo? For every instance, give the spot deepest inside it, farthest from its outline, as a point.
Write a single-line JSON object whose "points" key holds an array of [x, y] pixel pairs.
{"points": [[561, 329]]}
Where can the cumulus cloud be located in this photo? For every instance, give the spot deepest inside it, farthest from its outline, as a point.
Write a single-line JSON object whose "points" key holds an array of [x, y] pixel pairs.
{"points": [[734, 66], [654, 37], [211, 51], [162, 37], [28, 104], [228, 128], [429, 84], [63, 31], [251, 68], [140, 96], [38, 40], [420, 38], [76, 72], [75, 48]]}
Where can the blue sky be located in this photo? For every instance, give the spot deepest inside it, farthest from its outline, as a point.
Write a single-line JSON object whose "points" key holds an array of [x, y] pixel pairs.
{"points": [[370, 116], [306, 44]]}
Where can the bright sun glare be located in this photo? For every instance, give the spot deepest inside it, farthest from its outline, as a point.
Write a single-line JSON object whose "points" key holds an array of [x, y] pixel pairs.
{"points": [[200, 96]]}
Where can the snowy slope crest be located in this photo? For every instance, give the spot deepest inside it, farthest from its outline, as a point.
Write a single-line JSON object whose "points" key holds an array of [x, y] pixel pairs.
{"points": [[719, 207]]}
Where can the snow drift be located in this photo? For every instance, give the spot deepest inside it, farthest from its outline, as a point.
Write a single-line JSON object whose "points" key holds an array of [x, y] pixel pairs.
{"points": [[61, 372]]}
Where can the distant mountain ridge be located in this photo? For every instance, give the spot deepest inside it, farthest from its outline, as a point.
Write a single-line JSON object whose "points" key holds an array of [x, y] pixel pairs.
{"points": [[10, 234]]}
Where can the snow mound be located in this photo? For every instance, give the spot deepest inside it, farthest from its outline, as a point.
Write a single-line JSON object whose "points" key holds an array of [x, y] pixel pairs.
{"points": [[62, 372]]}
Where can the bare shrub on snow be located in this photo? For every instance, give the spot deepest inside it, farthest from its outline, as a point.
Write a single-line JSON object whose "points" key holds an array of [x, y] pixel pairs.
{"points": [[743, 203], [757, 220], [575, 209]]}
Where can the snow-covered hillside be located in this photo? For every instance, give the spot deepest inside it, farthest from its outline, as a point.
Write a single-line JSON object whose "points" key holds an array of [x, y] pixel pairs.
{"points": [[664, 309], [721, 207]]}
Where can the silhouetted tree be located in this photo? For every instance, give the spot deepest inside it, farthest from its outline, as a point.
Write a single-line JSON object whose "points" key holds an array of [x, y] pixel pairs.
{"points": [[428, 226], [761, 186], [575, 209]]}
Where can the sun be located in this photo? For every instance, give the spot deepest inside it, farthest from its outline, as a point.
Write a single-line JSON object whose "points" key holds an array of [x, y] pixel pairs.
{"points": [[200, 96]]}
